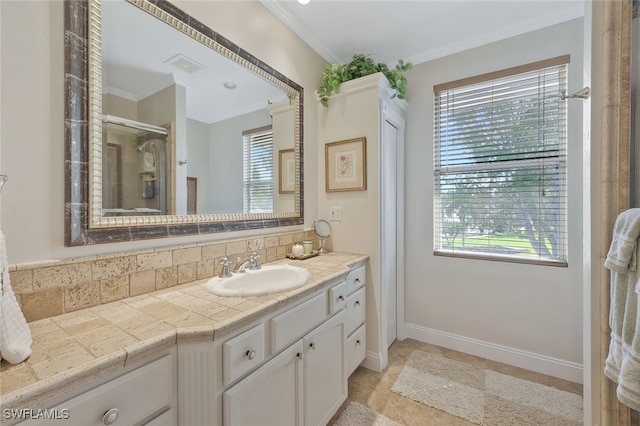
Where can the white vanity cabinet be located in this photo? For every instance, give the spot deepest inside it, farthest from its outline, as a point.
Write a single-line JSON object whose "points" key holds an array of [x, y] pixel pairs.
{"points": [[287, 368], [145, 395], [270, 396], [305, 384], [325, 371], [356, 315]]}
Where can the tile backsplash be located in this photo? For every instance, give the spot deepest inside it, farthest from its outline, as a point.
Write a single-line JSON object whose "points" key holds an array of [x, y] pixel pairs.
{"points": [[46, 289]]}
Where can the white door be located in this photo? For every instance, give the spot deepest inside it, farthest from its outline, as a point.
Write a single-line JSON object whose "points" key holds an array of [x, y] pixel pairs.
{"points": [[388, 224]]}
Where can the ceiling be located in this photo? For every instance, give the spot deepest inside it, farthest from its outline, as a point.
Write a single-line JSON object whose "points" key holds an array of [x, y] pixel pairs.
{"points": [[414, 30], [142, 55], [138, 50]]}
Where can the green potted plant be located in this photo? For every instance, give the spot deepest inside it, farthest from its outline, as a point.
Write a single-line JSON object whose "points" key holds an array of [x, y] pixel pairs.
{"points": [[361, 65]]}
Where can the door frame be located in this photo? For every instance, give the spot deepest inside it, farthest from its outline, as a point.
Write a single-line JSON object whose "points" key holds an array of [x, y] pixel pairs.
{"points": [[394, 117]]}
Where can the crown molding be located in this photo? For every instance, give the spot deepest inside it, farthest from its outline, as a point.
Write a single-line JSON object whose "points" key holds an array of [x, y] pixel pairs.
{"points": [[490, 36], [520, 28], [302, 31]]}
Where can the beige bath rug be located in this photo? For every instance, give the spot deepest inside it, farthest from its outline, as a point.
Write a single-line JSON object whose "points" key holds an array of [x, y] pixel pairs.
{"points": [[484, 397], [357, 414]]}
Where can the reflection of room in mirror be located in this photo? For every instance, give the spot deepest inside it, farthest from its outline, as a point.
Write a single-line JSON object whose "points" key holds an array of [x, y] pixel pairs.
{"points": [[257, 170], [134, 75], [192, 195], [287, 171], [143, 79], [134, 168]]}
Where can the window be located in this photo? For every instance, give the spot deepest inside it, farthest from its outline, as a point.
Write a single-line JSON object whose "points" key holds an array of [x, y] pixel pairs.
{"points": [[257, 165], [500, 165]]}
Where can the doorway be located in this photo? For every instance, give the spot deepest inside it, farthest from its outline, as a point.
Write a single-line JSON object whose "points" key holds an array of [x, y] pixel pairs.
{"points": [[192, 195], [391, 222]]}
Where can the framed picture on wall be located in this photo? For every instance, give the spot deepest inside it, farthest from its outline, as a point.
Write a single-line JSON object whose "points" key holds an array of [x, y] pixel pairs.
{"points": [[346, 165], [287, 171]]}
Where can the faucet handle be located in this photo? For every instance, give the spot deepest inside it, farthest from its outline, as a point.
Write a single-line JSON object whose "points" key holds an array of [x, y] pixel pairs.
{"points": [[255, 260], [225, 273]]}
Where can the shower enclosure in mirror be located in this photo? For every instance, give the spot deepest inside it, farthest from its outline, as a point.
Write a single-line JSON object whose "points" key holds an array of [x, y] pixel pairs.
{"points": [[134, 168], [157, 98]]}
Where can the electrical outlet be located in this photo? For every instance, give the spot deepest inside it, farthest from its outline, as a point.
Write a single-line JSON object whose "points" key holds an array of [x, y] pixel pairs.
{"points": [[335, 213]]}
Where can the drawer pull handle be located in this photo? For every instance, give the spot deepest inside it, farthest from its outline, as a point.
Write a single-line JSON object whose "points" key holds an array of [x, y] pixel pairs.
{"points": [[357, 303], [357, 280], [358, 342], [251, 354], [312, 345], [300, 355], [110, 416], [341, 297]]}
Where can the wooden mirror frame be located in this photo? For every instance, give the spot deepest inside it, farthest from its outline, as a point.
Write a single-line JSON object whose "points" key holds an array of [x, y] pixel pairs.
{"points": [[83, 224]]}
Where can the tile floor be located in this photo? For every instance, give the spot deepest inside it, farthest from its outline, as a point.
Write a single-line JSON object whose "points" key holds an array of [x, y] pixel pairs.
{"points": [[374, 389]]}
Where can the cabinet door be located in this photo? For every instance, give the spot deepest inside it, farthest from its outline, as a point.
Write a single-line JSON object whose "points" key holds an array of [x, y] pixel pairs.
{"points": [[126, 400], [356, 349], [270, 396], [325, 376]]}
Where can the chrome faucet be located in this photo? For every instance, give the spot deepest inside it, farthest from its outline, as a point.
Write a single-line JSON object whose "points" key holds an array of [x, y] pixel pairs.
{"points": [[253, 262], [225, 273]]}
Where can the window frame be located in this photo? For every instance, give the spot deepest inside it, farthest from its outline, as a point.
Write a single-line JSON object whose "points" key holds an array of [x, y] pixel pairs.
{"points": [[247, 161], [520, 164]]}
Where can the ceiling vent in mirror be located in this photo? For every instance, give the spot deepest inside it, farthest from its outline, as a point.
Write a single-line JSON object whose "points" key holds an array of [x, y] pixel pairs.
{"points": [[184, 63]]}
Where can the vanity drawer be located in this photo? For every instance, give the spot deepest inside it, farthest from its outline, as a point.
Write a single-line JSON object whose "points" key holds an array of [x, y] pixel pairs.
{"points": [[168, 418], [356, 279], [337, 297], [242, 354], [356, 349], [290, 325], [355, 310], [128, 399]]}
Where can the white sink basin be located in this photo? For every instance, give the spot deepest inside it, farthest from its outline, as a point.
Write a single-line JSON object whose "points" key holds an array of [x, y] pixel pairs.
{"points": [[269, 279]]}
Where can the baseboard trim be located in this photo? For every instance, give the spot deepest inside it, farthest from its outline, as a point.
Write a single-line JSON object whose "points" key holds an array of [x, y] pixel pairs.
{"points": [[373, 361], [531, 361]]}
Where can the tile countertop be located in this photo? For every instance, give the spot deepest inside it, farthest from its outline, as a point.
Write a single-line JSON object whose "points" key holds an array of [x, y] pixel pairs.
{"points": [[73, 348]]}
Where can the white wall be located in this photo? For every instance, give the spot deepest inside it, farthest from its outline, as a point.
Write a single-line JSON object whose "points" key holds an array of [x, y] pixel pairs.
{"points": [[32, 134], [282, 116], [523, 314], [225, 138], [198, 161]]}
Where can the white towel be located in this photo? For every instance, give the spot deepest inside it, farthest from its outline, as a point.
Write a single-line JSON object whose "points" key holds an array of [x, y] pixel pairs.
{"points": [[15, 335], [623, 361], [624, 244]]}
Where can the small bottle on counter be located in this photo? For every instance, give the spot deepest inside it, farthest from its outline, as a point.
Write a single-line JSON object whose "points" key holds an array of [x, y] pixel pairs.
{"points": [[308, 246]]}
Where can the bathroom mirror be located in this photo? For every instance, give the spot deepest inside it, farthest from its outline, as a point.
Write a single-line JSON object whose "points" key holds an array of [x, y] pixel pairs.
{"points": [[323, 231], [158, 100]]}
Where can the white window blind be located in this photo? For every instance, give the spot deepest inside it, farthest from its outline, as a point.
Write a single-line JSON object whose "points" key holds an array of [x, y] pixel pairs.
{"points": [[500, 165], [257, 164]]}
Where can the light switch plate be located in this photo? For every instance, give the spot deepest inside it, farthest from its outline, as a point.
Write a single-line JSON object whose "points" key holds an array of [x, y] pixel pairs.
{"points": [[335, 213]]}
